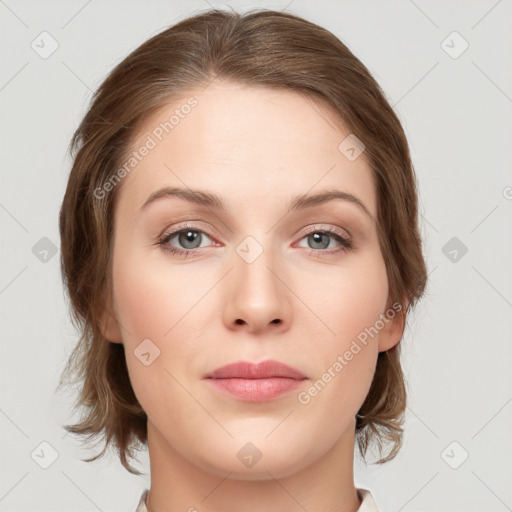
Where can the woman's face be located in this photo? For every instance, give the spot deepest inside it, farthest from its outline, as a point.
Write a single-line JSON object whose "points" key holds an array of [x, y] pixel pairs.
{"points": [[259, 273]]}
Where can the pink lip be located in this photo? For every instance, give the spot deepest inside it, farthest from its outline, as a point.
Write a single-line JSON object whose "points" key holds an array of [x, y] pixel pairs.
{"points": [[256, 382], [263, 370]]}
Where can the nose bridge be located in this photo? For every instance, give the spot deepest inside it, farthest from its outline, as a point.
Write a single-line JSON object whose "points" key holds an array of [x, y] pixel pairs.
{"points": [[253, 261]]}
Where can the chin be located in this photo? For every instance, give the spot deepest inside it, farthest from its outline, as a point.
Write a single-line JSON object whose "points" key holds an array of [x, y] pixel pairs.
{"points": [[258, 460]]}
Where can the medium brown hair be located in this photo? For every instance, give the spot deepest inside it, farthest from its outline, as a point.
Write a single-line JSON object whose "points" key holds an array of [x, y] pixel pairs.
{"points": [[259, 48]]}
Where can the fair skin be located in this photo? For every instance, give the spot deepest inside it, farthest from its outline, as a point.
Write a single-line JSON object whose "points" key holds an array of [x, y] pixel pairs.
{"points": [[256, 149]]}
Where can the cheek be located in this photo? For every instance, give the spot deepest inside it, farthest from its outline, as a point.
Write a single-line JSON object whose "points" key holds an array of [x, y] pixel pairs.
{"points": [[162, 304], [348, 298], [152, 307], [349, 302], [361, 300]]}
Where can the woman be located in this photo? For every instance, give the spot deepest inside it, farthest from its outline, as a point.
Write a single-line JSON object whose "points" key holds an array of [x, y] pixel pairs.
{"points": [[240, 246]]}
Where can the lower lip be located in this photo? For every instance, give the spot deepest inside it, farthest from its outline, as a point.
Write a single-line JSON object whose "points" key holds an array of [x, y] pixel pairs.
{"points": [[256, 390]]}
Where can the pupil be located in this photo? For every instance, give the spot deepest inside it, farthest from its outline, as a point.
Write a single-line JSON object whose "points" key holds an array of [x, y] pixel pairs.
{"points": [[317, 239], [189, 237]]}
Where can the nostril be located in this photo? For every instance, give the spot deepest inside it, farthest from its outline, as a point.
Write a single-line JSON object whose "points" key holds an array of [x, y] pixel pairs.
{"points": [[239, 321]]}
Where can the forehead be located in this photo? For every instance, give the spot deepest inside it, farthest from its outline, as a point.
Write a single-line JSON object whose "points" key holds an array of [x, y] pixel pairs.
{"points": [[245, 142]]}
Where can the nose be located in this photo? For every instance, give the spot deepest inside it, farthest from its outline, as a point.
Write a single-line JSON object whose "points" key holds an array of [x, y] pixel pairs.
{"points": [[257, 297]]}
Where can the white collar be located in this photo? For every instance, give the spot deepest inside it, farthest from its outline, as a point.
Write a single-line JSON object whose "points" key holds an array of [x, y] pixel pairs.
{"points": [[367, 502]]}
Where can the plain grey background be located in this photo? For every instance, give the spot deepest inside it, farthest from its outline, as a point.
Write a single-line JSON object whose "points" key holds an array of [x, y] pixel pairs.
{"points": [[446, 67]]}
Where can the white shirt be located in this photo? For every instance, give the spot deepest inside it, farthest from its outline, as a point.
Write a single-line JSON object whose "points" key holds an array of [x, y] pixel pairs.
{"points": [[367, 502]]}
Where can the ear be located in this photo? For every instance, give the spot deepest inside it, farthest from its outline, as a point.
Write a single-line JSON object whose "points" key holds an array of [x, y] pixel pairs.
{"points": [[393, 330], [108, 323]]}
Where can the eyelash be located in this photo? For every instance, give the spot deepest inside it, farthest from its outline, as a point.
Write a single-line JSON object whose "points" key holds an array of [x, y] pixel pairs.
{"points": [[345, 242]]}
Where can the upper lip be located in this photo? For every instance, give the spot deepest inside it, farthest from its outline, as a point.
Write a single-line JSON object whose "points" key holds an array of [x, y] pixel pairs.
{"points": [[248, 370]]}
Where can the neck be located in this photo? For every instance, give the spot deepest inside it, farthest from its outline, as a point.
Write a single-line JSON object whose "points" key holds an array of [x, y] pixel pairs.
{"points": [[325, 485]]}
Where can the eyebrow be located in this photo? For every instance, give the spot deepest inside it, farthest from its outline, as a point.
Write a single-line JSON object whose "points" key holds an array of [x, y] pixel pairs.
{"points": [[209, 200]]}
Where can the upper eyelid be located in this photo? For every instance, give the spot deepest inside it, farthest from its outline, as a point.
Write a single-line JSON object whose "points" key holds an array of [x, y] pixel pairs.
{"points": [[334, 229], [168, 232]]}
